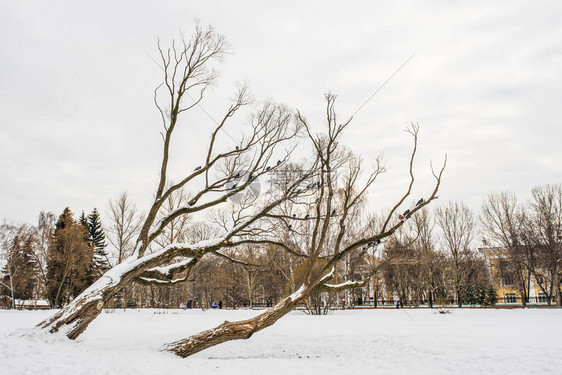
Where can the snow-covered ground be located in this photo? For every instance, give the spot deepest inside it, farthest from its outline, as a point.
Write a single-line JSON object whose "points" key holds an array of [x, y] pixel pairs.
{"points": [[346, 342]]}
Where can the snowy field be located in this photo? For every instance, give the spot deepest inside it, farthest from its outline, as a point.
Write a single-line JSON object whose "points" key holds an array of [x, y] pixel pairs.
{"points": [[346, 342]]}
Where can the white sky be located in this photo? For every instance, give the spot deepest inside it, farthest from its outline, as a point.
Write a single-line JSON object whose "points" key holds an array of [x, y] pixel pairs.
{"points": [[77, 123]]}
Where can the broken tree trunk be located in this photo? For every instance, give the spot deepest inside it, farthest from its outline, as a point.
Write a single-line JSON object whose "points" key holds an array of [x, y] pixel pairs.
{"points": [[74, 318], [243, 329]]}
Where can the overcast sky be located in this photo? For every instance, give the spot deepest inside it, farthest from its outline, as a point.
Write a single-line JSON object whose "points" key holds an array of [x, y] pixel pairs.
{"points": [[77, 123]]}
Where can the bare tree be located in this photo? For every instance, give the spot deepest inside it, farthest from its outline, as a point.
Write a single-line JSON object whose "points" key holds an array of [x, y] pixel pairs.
{"points": [[251, 270], [45, 230], [329, 243], [21, 272], [431, 262], [401, 278], [214, 179], [177, 230], [458, 227], [7, 234], [503, 222], [546, 235], [124, 225], [221, 176]]}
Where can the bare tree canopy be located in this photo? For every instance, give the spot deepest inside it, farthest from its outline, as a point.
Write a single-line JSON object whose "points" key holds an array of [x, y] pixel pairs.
{"points": [[187, 75], [459, 228], [319, 232], [327, 191], [123, 227]]}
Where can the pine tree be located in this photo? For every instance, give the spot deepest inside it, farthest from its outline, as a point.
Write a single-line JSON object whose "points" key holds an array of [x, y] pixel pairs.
{"points": [[132, 302], [69, 260], [491, 296], [469, 295], [96, 237], [481, 296], [65, 219], [83, 220]]}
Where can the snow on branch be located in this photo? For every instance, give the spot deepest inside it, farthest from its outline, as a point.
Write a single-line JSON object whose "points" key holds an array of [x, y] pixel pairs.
{"points": [[165, 274], [148, 280], [342, 286], [298, 294], [328, 276], [172, 268]]}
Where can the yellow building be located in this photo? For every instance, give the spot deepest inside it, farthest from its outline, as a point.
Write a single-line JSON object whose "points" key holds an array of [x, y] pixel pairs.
{"points": [[505, 284]]}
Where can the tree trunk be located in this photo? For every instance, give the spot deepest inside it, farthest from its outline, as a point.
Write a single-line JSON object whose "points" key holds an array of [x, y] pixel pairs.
{"points": [[12, 290], [523, 298], [76, 321], [458, 284], [550, 295], [57, 302], [243, 329], [430, 297], [74, 318]]}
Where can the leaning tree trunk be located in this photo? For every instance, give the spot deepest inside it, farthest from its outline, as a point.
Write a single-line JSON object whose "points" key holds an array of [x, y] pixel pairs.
{"points": [[243, 329], [74, 318]]}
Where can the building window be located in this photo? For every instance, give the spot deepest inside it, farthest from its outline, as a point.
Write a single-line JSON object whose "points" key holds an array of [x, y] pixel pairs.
{"points": [[542, 297], [540, 279], [507, 280], [509, 298]]}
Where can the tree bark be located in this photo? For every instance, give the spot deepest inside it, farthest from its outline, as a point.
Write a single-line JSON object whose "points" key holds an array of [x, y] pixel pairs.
{"points": [[12, 292], [228, 331], [74, 318], [77, 321], [430, 297]]}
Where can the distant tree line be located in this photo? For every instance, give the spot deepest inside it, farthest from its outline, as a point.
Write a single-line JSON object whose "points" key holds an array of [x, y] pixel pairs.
{"points": [[530, 234], [431, 260], [55, 260]]}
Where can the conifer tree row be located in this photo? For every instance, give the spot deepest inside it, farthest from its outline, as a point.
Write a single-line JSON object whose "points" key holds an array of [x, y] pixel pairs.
{"points": [[96, 238], [69, 260]]}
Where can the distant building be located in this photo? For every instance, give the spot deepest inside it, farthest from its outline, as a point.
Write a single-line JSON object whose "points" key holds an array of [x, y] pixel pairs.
{"points": [[31, 304], [505, 283]]}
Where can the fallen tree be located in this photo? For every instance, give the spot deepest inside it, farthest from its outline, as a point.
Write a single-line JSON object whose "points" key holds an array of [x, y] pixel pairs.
{"points": [[321, 236], [220, 176]]}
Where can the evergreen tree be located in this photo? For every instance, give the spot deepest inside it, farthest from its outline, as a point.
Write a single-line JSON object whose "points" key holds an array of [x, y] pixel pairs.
{"points": [[491, 296], [65, 220], [69, 260], [470, 295], [96, 237], [132, 302], [83, 219], [481, 296]]}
